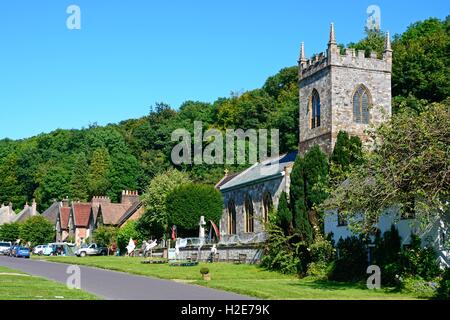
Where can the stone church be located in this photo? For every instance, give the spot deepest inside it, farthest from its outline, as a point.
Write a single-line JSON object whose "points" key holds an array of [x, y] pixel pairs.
{"points": [[339, 90]]}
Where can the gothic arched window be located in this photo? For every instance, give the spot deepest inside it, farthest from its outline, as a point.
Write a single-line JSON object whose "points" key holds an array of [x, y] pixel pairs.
{"points": [[314, 108], [231, 217], [249, 215], [361, 105], [267, 206]]}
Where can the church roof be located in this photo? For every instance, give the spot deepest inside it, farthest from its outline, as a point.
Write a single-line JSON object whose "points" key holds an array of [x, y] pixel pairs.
{"points": [[266, 170]]}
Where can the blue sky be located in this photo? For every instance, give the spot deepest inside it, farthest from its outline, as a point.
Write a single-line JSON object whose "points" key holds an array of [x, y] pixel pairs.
{"points": [[130, 54]]}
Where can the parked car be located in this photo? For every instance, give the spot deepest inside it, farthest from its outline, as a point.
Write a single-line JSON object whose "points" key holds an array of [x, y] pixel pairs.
{"points": [[91, 250], [4, 247], [22, 252], [39, 249], [13, 250]]}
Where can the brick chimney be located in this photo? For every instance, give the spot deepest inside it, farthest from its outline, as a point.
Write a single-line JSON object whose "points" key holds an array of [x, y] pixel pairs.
{"points": [[97, 201], [65, 202], [129, 197]]}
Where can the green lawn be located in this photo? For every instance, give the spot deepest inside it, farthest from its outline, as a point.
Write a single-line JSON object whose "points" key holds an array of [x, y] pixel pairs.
{"points": [[16, 285], [245, 279]]}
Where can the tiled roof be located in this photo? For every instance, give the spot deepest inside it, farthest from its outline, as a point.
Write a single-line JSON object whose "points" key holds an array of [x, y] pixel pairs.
{"points": [[267, 169], [64, 216], [135, 207], [52, 212], [82, 213], [111, 213]]}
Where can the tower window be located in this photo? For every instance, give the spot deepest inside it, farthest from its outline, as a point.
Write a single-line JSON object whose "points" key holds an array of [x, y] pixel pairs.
{"points": [[361, 104], [315, 110]]}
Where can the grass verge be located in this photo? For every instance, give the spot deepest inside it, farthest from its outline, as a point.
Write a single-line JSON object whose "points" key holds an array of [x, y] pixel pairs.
{"points": [[244, 279]]}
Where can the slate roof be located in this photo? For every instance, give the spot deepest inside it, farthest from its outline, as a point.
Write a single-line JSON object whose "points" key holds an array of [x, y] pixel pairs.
{"points": [[81, 214], [52, 212], [113, 212], [266, 170]]}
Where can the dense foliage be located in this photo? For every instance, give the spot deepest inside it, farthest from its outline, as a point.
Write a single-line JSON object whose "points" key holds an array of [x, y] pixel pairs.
{"points": [[105, 236], [187, 203], [37, 230], [408, 167], [10, 232]]}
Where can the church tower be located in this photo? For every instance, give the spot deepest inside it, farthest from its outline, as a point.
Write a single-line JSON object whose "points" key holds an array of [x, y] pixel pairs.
{"points": [[342, 92]]}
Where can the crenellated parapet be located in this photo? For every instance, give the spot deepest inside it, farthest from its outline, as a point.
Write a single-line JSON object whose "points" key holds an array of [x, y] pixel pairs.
{"points": [[348, 58]]}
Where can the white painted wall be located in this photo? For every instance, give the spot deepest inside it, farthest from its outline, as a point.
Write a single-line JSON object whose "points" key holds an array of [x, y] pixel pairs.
{"points": [[436, 234]]}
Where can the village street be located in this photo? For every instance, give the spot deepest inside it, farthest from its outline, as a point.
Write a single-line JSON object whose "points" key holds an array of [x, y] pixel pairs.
{"points": [[112, 285]]}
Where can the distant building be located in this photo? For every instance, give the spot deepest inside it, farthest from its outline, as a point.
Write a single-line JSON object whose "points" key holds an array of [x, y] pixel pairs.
{"points": [[27, 212], [7, 214], [79, 220]]}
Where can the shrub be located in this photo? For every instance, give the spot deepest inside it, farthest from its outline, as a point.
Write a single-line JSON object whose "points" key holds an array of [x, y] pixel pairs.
{"points": [[126, 233], [443, 291], [187, 203], [10, 232], [320, 270], [387, 254], [418, 261], [279, 254], [351, 264], [37, 230], [204, 271], [105, 236]]}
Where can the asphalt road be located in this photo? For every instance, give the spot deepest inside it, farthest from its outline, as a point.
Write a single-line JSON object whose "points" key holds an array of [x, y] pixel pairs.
{"points": [[113, 285]]}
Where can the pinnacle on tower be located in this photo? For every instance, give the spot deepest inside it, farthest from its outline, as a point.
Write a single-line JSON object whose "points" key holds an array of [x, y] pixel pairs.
{"points": [[387, 43], [332, 35], [302, 53]]}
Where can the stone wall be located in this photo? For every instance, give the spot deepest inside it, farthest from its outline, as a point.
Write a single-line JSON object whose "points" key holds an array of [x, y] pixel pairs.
{"points": [[226, 254], [256, 192], [336, 78]]}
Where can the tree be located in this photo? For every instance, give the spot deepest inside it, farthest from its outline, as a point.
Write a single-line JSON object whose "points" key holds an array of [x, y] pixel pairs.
{"points": [[301, 221], [105, 236], [10, 232], [408, 167], [78, 184], [187, 203], [37, 230], [154, 200], [10, 189], [127, 232], [284, 215], [373, 42], [98, 173], [309, 180], [420, 61], [347, 153]]}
